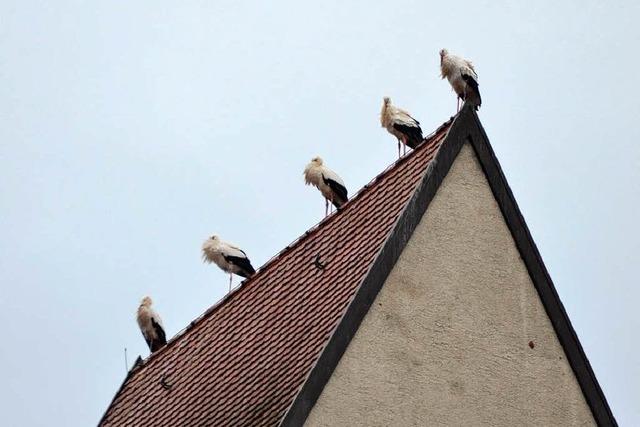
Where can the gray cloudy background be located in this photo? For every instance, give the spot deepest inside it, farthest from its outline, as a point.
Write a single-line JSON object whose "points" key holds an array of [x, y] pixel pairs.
{"points": [[130, 131]]}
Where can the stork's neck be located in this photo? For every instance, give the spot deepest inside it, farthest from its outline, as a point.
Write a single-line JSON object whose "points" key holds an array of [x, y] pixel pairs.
{"points": [[446, 66], [385, 114]]}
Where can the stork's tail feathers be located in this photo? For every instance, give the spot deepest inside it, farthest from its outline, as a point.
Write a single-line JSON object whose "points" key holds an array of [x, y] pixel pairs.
{"points": [[338, 202], [247, 270], [244, 267], [157, 344]]}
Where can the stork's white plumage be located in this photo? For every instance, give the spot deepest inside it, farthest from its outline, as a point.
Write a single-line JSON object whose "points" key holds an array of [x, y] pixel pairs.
{"points": [[151, 325], [462, 77], [327, 181], [400, 124], [228, 257]]}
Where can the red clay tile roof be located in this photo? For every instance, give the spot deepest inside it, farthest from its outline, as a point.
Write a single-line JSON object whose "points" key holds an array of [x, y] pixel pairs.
{"points": [[243, 362]]}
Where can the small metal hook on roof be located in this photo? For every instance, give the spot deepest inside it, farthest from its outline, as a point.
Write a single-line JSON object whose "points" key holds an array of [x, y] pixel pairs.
{"points": [[318, 263], [163, 382]]}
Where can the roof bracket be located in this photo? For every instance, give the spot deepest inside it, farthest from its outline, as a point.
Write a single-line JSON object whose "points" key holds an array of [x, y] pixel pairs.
{"points": [[318, 263]]}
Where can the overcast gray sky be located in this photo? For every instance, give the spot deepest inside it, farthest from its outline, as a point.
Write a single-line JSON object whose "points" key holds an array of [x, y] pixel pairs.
{"points": [[130, 131]]}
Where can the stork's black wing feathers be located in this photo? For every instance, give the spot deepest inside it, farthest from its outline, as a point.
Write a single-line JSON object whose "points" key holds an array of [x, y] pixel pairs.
{"points": [[339, 190], [244, 264], [413, 133], [161, 340], [474, 96], [470, 80], [159, 331]]}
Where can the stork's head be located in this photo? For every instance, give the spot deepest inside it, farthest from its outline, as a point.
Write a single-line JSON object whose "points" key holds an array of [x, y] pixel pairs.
{"points": [[146, 301], [386, 100], [317, 161], [214, 238], [443, 53]]}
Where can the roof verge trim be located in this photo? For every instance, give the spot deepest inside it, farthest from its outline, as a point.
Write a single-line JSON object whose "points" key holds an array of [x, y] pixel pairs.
{"points": [[540, 276]]}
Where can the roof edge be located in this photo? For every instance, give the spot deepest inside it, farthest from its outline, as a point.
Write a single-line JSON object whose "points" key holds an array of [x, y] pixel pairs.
{"points": [[540, 277], [384, 262], [465, 128]]}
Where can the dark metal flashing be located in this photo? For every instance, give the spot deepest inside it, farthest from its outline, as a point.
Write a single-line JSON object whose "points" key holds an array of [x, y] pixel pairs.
{"points": [[466, 128]]}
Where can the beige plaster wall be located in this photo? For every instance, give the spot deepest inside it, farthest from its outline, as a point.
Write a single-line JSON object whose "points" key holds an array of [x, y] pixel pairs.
{"points": [[446, 341]]}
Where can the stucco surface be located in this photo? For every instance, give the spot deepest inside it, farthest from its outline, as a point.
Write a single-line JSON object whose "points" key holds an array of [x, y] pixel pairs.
{"points": [[447, 339]]}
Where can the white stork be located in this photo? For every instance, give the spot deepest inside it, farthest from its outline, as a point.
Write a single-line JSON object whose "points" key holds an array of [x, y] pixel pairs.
{"points": [[400, 124], [462, 78], [151, 325], [327, 181], [228, 257]]}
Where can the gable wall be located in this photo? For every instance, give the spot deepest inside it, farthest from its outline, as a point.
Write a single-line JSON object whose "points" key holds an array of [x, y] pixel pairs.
{"points": [[446, 341]]}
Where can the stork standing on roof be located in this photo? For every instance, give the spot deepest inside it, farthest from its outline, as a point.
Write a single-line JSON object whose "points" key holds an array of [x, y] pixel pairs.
{"points": [[328, 182], [462, 78], [228, 257], [151, 325], [400, 124]]}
